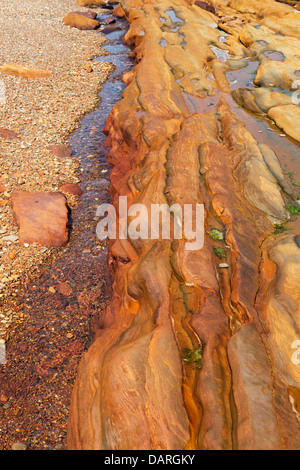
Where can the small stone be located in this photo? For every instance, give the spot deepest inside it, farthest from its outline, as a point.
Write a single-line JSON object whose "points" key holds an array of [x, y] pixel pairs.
{"points": [[297, 240], [18, 446], [69, 335], [60, 150], [223, 265], [88, 68]]}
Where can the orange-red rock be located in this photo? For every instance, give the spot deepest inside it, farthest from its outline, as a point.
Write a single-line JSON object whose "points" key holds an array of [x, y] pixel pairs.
{"points": [[60, 150], [80, 22], [173, 139], [64, 288], [24, 72], [8, 134], [88, 14], [42, 218], [71, 189]]}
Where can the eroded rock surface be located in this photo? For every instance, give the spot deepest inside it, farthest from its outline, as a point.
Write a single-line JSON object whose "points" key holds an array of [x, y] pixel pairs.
{"points": [[239, 311], [42, 218]]}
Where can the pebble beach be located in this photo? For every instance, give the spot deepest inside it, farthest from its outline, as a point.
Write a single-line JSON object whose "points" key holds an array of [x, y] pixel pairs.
{"points": [[39, 112]]}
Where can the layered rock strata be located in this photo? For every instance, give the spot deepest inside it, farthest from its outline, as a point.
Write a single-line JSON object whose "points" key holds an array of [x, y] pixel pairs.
{"points": [[235, 302]]}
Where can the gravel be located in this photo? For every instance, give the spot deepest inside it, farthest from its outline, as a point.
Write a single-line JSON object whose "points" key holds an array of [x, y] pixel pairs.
{"points": [[42, 111]]}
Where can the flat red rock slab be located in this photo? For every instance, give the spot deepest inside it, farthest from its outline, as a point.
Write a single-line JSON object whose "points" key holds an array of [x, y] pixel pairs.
{"points": [[42, 218], [71, 189], [60, 150], [7, 134]]}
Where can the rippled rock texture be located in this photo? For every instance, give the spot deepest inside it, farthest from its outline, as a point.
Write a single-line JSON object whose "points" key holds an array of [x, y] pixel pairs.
{"points": [[237, 314]]}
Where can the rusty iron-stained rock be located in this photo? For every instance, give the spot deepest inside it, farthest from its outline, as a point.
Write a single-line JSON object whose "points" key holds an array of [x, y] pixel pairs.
{"points": [[175, 138], [42, 218]]}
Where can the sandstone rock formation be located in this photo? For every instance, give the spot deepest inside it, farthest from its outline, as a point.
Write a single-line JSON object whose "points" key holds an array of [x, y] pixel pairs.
{"points": [[195, 348], [42, 218]]}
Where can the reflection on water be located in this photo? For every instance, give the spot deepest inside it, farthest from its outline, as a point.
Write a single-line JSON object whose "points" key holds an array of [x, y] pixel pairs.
{"points": [[173, 17]]}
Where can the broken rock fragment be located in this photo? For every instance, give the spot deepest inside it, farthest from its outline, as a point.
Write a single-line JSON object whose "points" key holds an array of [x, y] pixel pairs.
{"points": [[88, 14], [42, 218], [60, 150]]}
